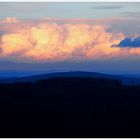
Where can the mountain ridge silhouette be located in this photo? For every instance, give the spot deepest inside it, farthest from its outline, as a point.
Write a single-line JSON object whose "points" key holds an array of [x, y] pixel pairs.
{"points": [[126, 80]]}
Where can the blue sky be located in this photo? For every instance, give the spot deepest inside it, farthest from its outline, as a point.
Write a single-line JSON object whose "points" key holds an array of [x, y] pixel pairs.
{"points": [[66, 9]]}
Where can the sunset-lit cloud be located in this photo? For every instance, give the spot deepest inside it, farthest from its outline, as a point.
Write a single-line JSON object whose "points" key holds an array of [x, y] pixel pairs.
{"points": [[51, 41], [9, 20]]}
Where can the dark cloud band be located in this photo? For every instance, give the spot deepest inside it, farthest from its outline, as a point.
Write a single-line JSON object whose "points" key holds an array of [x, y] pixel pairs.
{"points": [[130, 42]]}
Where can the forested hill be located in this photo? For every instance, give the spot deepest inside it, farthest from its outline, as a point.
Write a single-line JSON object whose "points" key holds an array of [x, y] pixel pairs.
{"points": [[125, 79], [70, 107]]}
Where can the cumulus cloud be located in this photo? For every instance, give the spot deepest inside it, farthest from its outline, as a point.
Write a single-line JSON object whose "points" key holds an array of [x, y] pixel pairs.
{"points": [[51, 41], [130, 42], [56, 42], [129, 46], [9, 20]]}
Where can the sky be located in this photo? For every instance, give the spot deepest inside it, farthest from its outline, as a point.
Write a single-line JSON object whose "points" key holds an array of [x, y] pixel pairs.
{"points": [[40, 37]]}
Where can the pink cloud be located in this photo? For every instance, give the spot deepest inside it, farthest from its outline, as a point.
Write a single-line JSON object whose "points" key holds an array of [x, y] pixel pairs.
{"points": [[51, 41], [10, 20]]}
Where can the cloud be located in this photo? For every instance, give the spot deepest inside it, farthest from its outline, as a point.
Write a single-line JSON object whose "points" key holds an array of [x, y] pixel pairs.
{"points": [[9, 20], [129, 46], [57, 42], [130, 42], [132, 14], [107, 7], [45, 41]]}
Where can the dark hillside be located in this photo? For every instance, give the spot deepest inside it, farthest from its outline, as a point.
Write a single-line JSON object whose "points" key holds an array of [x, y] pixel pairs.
{"points": [[70, 107]]}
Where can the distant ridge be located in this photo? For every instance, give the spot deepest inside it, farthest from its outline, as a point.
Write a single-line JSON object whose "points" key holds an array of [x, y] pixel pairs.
{"points": [[125, 80]]}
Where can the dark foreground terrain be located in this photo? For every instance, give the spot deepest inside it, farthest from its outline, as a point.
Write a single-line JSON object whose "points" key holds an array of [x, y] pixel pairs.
{"points": [[70, 107]]}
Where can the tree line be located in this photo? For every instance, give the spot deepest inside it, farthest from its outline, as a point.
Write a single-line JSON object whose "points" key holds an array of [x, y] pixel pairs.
{"points": [[70, 107]]}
